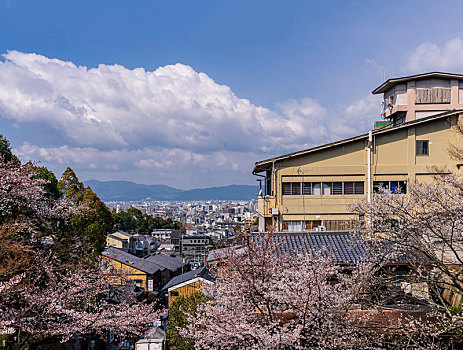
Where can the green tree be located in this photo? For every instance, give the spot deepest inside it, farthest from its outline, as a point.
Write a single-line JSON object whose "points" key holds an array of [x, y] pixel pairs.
{"points": [[92, 220], [178, 321], [135, 221], [5, 150], [51, 187], [70, 186]]}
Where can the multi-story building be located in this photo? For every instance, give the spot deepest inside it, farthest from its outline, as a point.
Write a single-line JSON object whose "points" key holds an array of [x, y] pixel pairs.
{"points": [[138, 245], [196, 247], [313, 189]]}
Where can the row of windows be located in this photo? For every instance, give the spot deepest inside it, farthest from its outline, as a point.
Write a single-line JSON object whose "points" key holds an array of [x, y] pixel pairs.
{"points": [[312, 225], [340, 188], [322, 188]]}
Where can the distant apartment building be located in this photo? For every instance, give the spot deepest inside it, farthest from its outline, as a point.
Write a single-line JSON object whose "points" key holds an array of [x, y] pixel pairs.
{"points": [[196, 248], [163, 234], [313, 188], [139, 245]]}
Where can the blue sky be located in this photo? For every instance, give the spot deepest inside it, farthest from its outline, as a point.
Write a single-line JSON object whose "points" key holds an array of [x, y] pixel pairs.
{"points": [[223, 84]]}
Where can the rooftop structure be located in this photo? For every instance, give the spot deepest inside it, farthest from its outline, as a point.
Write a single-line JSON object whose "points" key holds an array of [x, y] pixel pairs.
{"points": [[421, 95]]}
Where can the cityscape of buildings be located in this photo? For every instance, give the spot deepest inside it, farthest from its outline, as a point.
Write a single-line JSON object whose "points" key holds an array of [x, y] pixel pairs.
{"points": [[306, 196]]}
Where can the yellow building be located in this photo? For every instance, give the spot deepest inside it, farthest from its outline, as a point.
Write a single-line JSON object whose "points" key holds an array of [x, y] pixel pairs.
{"points": [[187, 284], [312, 189], [149, 273], [119, 239]]}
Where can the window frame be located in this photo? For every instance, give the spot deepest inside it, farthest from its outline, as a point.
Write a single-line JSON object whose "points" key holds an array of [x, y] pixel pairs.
{"points": [[421, 142]]}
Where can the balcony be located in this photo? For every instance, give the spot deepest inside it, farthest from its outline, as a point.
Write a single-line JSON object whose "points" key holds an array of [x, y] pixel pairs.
{"points": [[265, 205]]}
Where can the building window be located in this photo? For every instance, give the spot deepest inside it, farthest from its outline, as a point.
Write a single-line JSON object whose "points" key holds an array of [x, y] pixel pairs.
{"points": [[422, 148], [396, 187], [317, 188], [307, 188], [291, 189], [174, 294], [337, 188], [358, 187], [294, 226], [316, 225]]}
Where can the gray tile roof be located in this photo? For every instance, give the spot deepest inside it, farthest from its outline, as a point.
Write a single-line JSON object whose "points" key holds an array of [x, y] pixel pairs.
{"points": [[132, 260], [346, 247], [170, 262], [202, 272], [222, 253]]}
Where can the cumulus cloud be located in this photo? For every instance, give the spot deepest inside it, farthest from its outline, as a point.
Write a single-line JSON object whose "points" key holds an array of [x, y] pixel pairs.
{"points": [[112, 106], [110, 121], [432, 57]]}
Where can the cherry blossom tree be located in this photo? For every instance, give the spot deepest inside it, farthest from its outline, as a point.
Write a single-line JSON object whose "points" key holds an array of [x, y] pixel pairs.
{"points": [[427, 224], [264, 298], [69, 303], [425, 227], [48, 287]]}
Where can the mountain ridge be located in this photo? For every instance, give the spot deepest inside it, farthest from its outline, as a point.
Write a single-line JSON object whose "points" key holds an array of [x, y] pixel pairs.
{"points": [[131, 191]]}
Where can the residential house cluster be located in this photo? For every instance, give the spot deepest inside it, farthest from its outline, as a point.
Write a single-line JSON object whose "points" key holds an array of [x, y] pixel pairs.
{"points": [[151, 272]]}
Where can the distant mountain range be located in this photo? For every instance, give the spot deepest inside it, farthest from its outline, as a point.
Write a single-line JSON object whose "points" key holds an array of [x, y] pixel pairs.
{"points": [[130, 191]]}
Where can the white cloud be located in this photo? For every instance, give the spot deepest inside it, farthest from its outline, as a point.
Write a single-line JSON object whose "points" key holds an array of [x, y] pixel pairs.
{"points": [[431, 57], [111, 106], [158, 126]]}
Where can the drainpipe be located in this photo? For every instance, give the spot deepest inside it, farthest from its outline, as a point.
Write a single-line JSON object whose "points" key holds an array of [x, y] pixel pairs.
{"points": [[369, 147], [274, 193]]}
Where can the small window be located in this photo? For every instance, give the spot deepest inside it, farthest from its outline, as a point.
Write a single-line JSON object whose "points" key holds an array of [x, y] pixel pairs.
{"points": [[286, 188], [316, 188], [326, 186], [337, 188], [395, 187], [348, 188], [422, 148], [307, 188], [174, 294], [296, 189], [358, 187]]}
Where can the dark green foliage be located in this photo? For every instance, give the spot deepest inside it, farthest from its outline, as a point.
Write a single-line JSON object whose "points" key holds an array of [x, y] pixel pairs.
{"points": [[133, 220], [177, 320], [6, 154], [92, 220], [51, 187], [70, 187]]}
